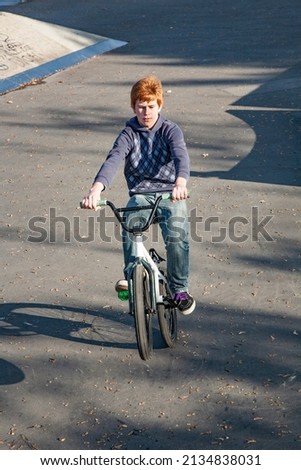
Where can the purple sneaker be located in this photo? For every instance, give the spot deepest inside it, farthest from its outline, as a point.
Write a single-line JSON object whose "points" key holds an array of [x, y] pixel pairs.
{"points": [[184, 302]]}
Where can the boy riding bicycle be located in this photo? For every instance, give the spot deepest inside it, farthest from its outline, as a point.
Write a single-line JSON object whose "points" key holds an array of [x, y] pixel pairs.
{"points": [[155, 160]]}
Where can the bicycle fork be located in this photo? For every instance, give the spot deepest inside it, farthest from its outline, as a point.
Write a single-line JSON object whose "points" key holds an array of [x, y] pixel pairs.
{"points": [[143, 257]]}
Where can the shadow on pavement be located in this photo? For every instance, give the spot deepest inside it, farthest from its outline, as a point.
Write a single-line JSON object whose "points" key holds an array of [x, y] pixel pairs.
{"points": [[95, 328], [9, 373], [274, 113]]}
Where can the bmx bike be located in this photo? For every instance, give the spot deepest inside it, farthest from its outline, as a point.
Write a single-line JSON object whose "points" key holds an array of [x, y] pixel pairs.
{"points": [[149, 293]]}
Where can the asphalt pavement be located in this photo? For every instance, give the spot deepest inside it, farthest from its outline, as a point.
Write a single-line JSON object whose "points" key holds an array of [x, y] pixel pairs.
{"points": [[70, 373]]}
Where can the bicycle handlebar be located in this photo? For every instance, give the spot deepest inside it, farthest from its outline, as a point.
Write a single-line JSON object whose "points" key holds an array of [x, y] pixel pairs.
{"points": [[120, 210]]}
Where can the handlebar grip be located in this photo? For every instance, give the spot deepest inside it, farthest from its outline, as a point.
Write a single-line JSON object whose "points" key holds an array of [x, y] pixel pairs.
{"points": [[101, 203]]}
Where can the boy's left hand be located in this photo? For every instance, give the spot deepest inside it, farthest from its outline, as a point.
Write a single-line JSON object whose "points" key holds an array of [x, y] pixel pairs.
{"points": [[179, 192]]}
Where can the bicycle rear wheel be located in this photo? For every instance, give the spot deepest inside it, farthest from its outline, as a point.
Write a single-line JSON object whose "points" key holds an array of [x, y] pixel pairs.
{"points": [[167, 318], [142, 312]]}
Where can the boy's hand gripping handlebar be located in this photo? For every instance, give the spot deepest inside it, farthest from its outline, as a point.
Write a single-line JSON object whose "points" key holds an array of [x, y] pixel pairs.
{"points": [[118, 211]]}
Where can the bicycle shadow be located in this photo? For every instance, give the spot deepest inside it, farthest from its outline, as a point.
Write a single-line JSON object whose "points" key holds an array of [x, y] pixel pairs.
{"points": [[64, 322], [76, 324]]}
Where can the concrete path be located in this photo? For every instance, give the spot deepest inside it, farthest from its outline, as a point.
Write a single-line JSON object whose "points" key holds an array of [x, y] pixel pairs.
{"points": [[71, 377]]}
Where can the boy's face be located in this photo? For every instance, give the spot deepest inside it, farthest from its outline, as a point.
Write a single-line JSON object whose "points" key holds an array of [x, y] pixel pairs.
{"points": [[147, 112]]}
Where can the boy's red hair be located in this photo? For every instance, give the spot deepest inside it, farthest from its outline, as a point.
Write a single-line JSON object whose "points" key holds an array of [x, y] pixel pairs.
{"points": [[147, 89]]}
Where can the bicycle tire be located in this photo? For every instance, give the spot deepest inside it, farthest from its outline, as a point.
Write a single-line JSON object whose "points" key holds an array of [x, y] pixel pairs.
{"points": [[167, 318], [142, 313]]}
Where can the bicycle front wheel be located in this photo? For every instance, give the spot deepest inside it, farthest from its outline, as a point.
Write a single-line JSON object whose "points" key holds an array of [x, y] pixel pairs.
{"points": [[167, 317], [142, 312]]}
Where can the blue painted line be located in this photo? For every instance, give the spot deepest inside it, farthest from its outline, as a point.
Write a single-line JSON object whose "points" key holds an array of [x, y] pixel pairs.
{"points": [[56, 65]]}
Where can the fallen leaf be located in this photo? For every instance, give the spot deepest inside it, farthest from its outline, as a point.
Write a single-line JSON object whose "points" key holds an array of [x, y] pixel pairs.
{"points": [[251, 441]]}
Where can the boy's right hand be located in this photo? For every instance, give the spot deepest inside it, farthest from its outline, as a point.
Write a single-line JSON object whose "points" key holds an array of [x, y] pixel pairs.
{"points": [[90, 201]]}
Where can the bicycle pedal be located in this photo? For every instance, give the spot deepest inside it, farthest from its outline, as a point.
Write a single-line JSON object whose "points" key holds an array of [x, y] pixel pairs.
{"points": [[155, 256]]}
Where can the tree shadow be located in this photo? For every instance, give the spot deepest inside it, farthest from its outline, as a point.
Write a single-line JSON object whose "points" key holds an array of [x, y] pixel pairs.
{"points": [[238, 362]]}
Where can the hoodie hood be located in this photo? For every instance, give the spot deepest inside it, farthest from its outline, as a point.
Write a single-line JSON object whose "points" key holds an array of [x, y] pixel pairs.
{"points": [[136, 126]]}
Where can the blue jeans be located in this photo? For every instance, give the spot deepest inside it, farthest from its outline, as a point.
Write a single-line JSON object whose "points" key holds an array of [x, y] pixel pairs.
{"points": [[173, 220]]}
